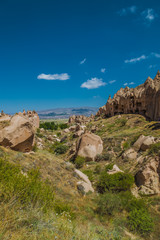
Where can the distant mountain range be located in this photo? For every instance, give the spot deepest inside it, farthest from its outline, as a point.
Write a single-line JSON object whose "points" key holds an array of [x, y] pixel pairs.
{"points": [[62, 113]]}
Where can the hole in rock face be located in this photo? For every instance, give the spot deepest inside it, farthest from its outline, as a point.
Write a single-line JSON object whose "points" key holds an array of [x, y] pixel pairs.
{"points": [[139, 179]]}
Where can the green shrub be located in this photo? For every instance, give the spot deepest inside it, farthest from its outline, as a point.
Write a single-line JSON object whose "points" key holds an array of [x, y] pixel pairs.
{"points": [[97, 169], [154, 148], [126, 145], [89, 174], [25, 188], [49, 125], [109, 167], [63, 125], [140, 221], [103, 157], [35, 148], [79, 162], [61, 149], [114, 182], [108, 204]]}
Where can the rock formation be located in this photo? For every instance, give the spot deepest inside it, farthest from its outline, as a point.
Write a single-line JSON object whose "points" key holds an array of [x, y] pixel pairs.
{"points": [[89, 145], [78, 119], [20, 131], [147, 178], [144, 100]]}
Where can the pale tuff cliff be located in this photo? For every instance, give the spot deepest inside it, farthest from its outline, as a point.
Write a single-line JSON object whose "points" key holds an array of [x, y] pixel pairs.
{"points": [[144, 100]]}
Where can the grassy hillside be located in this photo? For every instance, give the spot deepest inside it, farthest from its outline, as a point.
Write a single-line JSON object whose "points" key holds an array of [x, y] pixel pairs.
{"points": [[39, 197]]}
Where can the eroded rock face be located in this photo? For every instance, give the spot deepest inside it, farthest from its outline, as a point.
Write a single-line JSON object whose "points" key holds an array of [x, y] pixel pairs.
{"points": [[89, 145], [81, 119], [144, 142], [147, 178], [85, 185], [130, 154], [19, 134], [144, 100]]}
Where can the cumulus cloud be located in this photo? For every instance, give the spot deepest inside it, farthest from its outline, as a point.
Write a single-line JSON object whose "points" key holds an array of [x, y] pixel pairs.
{"points": [[83, 61], [112, 81], [157, 55], [127, 84], [128, 10], [138, 59], [149, 15], [93, 83], [61, 77], [103, 70]]}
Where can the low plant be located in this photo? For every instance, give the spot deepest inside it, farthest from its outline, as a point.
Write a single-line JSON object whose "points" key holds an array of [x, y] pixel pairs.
{"points": [[61, 149], [89, 174], [139, 220], [114, 182], [79, 162], [154, 148]]}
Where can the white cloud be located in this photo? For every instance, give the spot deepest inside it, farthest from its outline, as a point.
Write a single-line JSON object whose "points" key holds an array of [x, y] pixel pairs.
{"points": [[112, 81], [103, 70], [152, 66], [61, 77], [138, 59], [157, 55], [131, 83], [128, 10], [93, 83], [83, 61], [149, 15]]}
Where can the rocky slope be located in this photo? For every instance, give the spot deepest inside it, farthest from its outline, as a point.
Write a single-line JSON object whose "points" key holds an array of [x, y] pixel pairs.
{"points": [[104, 173], [144, 100]]}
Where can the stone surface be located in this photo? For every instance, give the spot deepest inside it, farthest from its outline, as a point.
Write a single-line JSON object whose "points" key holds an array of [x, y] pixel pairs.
{"points": [[143, 143], [78, 134], [85, 185], [130, 154], [147, 178], [81, 119], [114, 170], [89, 145], [19, 133], [144, 100]]}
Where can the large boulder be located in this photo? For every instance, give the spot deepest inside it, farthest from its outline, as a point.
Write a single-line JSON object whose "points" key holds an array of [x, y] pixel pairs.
{"points": [[143, 143], [19, 135], [130, 154], [89, 145], [114, 170], [84, 186], [147, 178]]}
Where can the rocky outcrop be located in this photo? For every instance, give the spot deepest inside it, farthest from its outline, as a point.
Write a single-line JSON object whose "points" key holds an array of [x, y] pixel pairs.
{"points": [[144, 100], [19, 133], [81, 119], [89, 145], [114, 170], [147, 178], [84, 186], [144, 142], [130, 154]]}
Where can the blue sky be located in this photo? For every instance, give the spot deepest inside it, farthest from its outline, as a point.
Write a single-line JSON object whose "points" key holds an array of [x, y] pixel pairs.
{"points": [[67, 53]]}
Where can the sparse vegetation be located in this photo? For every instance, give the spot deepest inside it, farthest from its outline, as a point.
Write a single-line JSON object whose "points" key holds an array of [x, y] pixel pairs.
{"points": [[79, 162], [114, 182]]}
